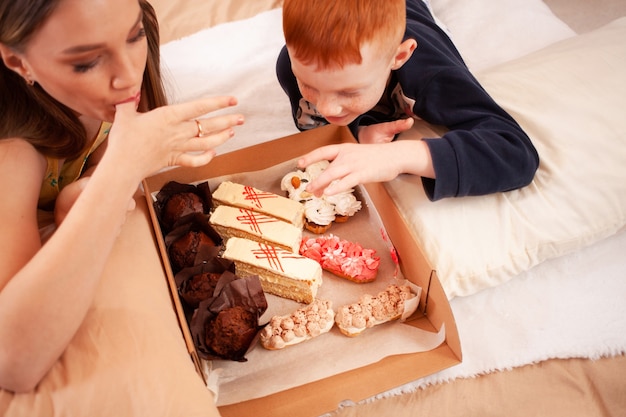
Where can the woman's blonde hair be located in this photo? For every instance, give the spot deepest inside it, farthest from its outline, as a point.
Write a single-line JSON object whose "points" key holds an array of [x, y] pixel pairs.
{"points": [[29, 112], [330, 33]]}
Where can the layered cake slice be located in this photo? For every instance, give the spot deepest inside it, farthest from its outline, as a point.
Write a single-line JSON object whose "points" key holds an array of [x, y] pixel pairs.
{"points": [[244, 196], [282, 272], [231, 221]]}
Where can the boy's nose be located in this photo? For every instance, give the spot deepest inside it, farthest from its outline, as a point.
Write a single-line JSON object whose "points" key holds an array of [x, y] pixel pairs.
{"points": [[328, 106]]}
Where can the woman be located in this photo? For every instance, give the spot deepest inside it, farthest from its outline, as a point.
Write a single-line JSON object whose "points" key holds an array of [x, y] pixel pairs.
{"points": [[83, 120]]}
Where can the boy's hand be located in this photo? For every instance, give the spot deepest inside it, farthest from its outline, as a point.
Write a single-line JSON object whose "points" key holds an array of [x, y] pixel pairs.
{"points": [[353, 164], [384, 132]]}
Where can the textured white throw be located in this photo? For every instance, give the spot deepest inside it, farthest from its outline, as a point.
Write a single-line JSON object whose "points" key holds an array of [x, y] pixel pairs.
{"points": [[569, 307]]}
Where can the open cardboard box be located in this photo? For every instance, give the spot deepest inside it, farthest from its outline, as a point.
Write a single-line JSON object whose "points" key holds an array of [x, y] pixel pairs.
{"points": [[325, 395]]}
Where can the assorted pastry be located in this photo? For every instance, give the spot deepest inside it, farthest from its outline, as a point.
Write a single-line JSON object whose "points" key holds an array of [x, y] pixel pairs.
{"points": [[303, 324], [341, 257], [282, 272], [226, 325], [369, 311], [229, 248], [197, 283], [320, 212], [176, 201], [247, 197]]}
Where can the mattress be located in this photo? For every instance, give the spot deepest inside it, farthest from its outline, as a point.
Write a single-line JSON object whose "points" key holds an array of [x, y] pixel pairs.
{"points": [[521, 356], [545, 338]]}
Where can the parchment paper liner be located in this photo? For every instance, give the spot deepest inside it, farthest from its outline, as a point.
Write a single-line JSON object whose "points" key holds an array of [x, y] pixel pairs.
{"points": [[267, 372]]}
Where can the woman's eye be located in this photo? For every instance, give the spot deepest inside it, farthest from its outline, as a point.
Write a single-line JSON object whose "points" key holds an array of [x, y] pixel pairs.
{"points": [[140, 35], [82, 68]]}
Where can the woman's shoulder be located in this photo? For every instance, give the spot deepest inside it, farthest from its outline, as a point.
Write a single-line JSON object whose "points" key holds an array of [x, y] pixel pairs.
{"points": [[19, 154]]}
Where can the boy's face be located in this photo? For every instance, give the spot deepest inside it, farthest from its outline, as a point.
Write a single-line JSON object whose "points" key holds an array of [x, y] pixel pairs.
{"points": [[343, 94]]}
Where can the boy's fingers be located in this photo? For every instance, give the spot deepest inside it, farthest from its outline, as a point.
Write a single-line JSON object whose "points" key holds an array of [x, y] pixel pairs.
{"points": [[328, 153], [402, 125]]}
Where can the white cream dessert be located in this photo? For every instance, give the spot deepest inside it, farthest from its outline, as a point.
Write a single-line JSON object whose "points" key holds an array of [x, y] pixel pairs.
{"points": [[282, 272], [320, 212], [295, 184], [244, 196], [231, 221], [303, 324], [345, 203], [371, 310]]}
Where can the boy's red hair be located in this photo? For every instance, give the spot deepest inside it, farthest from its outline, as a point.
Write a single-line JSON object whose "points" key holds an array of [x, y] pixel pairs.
{"points": [[330, 33]]}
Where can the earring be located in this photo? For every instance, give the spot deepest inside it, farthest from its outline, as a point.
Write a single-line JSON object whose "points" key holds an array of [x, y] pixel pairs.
{"points": [[29, 81]]}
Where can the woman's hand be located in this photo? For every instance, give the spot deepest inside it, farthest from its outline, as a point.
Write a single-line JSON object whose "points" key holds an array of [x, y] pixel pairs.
{"points": [[169, 136], [166, 136]]}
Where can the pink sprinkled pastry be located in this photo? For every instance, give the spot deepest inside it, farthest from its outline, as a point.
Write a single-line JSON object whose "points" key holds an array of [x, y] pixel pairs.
{"points": [[341, 257]]}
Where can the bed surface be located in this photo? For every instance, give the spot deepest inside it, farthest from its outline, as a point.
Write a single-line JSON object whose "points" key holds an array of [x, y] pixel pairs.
{"points": [[501, 378], [548, 341]]}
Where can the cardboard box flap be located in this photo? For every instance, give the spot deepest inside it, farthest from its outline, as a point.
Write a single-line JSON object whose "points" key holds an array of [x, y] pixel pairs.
{"points": [[322, 396]]}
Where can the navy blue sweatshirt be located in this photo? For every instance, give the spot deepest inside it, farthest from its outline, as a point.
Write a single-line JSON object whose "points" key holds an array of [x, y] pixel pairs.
{"points": [[484, 150]]}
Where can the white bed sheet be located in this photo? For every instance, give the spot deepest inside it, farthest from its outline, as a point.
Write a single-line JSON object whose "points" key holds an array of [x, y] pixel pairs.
{"points": [[567, 307]]}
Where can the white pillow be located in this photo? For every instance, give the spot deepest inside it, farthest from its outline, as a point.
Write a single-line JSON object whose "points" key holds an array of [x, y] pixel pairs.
{"points": [[488, 32], [570, 98]]}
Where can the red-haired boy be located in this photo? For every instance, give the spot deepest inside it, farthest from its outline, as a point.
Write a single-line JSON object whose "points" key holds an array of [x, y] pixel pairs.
{"points": [[374, 66]]}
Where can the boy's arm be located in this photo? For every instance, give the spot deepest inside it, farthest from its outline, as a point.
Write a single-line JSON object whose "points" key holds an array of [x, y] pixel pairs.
{"points": [[485, 150]]}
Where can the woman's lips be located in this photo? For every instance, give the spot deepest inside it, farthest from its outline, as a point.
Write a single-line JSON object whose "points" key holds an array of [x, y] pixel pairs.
{"points": [[131, 99]]}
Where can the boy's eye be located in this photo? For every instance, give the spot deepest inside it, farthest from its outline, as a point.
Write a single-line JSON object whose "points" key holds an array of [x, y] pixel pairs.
{"points": [[349, 93]]}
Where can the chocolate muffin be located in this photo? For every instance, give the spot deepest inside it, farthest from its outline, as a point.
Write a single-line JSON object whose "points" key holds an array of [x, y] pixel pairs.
{"points": [[183, 251], [199, 287], [178, 206], [231, 332]]}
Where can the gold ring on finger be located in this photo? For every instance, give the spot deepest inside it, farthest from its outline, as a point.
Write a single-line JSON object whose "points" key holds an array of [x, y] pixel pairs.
{"points": [[200, 130]]}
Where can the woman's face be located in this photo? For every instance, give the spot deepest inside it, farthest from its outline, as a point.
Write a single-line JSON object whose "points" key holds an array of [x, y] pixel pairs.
{"points": [[90, 55]]}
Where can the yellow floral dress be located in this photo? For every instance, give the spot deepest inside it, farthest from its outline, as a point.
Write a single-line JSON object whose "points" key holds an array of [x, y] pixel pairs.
{"points": [[58, 176]]}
